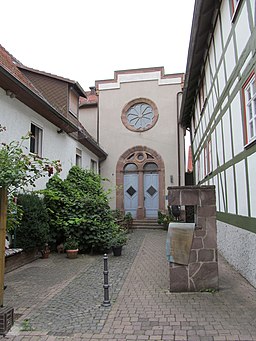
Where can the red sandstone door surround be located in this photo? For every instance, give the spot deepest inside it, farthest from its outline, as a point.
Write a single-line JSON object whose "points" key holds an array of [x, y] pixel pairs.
{"points": [[140, 160]]}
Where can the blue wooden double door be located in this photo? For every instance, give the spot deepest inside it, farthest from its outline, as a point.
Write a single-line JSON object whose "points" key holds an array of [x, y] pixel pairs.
{"points": [[141, 190]]}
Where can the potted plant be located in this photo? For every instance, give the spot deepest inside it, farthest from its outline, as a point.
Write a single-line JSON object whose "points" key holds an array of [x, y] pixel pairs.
{"points": [[45, 251], [71, 247], [128, 220], [118, 240]]}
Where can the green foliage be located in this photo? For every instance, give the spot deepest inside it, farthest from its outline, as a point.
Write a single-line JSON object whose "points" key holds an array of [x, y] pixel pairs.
{"points": [[165, 218], [78, 207], [19, 169], [14, 214], [128, 217], [119, 238], [26, 326], [33, 230], [71, 244]]}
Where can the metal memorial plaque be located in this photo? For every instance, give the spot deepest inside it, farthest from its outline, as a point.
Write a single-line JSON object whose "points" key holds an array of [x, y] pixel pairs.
{"points": [[179, 242]]}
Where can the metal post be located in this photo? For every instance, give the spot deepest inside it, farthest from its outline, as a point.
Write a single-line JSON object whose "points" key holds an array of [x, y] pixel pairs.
{"points": [[106, 302], [3, 215]]}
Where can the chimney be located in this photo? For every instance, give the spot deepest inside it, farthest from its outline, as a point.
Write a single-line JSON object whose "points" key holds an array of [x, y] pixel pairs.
{"points": [[93, 90]]}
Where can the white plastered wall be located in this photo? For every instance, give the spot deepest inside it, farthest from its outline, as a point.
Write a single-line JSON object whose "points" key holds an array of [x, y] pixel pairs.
{"points": [[162, 138], [17, 119], [238, 247]]}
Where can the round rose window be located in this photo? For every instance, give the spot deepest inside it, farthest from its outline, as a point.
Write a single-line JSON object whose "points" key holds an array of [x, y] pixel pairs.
{"points": [[139, 115]]}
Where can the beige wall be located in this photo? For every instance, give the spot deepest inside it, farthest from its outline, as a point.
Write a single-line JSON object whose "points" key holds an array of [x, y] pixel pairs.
{"points": [[88, 118], [162, 138]]}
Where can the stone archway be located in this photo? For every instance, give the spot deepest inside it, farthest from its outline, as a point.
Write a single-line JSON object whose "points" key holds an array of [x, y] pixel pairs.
{"points": [[147, 165]]}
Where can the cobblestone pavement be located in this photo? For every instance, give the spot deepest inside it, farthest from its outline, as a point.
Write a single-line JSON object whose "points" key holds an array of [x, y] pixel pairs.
{"points": [[61, 299]]}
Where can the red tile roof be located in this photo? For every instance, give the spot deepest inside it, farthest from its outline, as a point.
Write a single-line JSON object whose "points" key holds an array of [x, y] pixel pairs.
{"points": [[10, 64]]}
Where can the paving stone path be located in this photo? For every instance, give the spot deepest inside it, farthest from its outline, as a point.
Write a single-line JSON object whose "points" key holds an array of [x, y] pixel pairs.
{"points": [[67, 305]]}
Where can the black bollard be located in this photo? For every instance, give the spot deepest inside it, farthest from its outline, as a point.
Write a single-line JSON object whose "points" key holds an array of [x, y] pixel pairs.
{"points": [[106, 302]]}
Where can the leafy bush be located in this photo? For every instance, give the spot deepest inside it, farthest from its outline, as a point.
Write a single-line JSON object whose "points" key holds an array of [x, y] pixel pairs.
{"points": [[78, 207], [33, 230], [164, 219]]}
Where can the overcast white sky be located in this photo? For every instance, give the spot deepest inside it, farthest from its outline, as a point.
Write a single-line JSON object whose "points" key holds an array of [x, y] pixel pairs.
{"points": [[88, 40]]}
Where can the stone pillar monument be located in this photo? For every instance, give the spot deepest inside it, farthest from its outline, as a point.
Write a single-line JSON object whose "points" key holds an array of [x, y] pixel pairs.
{"points": [[201, 272]]}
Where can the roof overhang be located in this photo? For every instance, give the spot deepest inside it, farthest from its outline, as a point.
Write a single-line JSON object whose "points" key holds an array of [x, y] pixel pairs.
{"points": [[87, 140], [34, 101], [204, 18], [72, 83]]}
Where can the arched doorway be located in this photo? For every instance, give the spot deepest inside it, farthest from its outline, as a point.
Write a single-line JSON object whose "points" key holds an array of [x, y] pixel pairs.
{"points": [[140, 183]]}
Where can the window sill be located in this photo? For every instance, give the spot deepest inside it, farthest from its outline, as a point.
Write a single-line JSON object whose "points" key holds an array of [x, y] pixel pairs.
{"points": [[250, 144], [36, 155]]}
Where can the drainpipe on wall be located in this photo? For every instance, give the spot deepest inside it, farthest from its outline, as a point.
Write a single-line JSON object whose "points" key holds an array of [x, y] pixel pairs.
{"points": [[97, 124], [178, 135]]}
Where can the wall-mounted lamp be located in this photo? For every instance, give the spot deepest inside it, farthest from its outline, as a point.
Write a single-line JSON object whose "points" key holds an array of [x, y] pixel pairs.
{"points": [[60, 131]]}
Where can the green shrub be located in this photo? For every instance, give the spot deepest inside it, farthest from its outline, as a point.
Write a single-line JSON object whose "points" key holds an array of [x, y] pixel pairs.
{"points": [[78, 207], [33, 230], [164, 219]]}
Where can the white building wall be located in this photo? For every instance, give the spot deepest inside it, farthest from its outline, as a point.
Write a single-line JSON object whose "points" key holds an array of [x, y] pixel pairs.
{"points": [[17, 119], [242, 29], [238, 247], [228, 64], [237, 125], [252, 183], [227, 137], [231, 198]]}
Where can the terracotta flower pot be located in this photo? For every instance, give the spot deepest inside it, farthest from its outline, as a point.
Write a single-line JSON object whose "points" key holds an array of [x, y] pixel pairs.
{"points": [[72, 254]]}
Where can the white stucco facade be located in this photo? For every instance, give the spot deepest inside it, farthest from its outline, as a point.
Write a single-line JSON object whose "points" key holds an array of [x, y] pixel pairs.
{"points": [[222, 139], [17, 118], [238, 247], [162, 137]]}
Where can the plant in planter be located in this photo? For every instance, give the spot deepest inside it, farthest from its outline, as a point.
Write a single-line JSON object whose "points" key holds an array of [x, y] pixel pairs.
{"points": [[71, 247], [128, 220], [46, 251], [117, 242]]}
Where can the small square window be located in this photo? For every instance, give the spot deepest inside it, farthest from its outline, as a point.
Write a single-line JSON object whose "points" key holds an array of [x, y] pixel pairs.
{"points": [[36, 140]]}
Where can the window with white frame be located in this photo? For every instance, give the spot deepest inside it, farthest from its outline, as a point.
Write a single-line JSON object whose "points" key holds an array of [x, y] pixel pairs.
{"points": [[94, 166], [249, 91], [78, 157], [36, 139]]}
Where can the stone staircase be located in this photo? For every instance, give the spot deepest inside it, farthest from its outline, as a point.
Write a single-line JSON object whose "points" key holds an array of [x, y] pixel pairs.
{"points": [[146, 224]]}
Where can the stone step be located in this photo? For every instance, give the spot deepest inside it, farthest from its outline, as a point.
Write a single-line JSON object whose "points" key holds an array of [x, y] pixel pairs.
{"points": [[146, 224]]}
